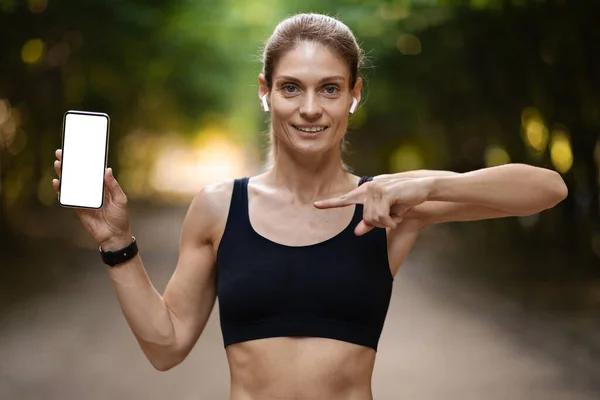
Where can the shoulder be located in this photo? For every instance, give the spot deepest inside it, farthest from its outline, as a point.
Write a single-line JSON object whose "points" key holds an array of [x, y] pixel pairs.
{"points": [[213, 195], [209, 208]]}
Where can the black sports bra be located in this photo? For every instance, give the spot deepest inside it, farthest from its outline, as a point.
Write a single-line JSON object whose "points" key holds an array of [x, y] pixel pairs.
{"points": [[339, 288]]}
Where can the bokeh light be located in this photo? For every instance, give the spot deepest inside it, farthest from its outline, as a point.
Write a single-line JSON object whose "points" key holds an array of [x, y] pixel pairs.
{"points": [[4, 111], [13, 186], [393, 11], [37, 6], [58, 55], [8, 131], [408, 44], [182, 169], [32, 51], [560, 151], [407, 157], [535, 131], [496, 155], [18, 143], [172, 168], [370, 27], [537, 135]]}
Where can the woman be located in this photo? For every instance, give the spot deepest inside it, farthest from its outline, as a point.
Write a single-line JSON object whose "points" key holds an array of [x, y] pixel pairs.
{"points": [[303, 256]]}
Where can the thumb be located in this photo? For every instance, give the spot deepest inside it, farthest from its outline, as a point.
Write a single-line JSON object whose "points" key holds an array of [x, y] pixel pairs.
{"points": [[362, 228], [113, 186]]}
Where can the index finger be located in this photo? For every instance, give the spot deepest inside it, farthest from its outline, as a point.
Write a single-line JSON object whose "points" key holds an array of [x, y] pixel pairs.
{"points": [[58, 154], [356, 196]]}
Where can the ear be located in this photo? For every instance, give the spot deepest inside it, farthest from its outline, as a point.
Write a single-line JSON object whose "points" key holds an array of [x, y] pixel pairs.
{"points": [[356, 94], [263, 92]]}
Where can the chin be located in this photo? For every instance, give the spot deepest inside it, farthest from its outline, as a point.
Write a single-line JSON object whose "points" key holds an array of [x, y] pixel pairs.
{"points": [[312, 147]]}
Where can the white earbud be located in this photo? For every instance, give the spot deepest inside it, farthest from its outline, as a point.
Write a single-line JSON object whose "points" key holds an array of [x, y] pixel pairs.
{"points": [[264, 103], [353, 106]]}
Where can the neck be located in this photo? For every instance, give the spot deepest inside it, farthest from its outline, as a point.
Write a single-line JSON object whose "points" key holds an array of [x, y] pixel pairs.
{"points": [[310, 178]]}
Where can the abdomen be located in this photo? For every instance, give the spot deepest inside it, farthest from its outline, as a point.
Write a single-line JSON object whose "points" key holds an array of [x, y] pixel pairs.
{"points": [[300, 368]]}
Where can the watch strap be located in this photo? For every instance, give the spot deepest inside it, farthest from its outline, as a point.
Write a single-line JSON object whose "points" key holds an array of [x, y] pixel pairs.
{"points": [[120, 256]]}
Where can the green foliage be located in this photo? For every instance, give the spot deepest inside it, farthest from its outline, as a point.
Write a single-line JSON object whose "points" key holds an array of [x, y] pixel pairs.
{"points": [[443, 75]]}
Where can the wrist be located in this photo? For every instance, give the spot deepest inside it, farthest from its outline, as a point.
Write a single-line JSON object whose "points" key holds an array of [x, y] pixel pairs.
{"points": [[117, 242], [436, 187]]}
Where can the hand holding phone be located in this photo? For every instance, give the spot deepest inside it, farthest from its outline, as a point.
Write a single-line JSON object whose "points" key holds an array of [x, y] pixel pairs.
{"points": [[85, 183], [84, 156]]}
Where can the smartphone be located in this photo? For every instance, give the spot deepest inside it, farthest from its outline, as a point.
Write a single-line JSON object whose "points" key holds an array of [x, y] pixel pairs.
{"points": [[84, 156]]}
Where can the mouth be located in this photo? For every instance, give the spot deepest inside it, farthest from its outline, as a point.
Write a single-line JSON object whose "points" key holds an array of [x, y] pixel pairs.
{"points": [[310, 130]]}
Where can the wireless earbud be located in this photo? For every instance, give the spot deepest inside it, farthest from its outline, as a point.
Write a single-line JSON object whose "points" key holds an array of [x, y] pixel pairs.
{"points": [[264, 103], [353, 106]]}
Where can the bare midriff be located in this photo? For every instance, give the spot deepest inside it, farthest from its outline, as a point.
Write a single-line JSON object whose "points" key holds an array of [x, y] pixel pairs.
{"points": [[300, 369]]}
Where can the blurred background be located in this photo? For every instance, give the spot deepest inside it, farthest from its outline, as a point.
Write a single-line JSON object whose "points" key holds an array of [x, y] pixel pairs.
{"points": [[497, 309]]}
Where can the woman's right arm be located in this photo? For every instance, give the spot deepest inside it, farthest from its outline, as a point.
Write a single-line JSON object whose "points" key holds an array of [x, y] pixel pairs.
{"points": [[168, 326]]}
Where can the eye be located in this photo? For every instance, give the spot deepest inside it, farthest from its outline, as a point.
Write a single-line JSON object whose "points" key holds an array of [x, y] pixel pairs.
{"points": [[289, 89], [331, 89]]}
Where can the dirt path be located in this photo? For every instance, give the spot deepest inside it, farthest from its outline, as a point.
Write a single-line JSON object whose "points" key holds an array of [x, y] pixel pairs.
{"points": [[75, 344]]}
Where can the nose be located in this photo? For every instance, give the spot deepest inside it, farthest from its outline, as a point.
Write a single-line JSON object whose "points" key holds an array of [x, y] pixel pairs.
{"points": [[311, 108]]}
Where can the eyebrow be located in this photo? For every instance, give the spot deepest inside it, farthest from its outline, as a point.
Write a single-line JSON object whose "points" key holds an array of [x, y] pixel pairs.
{"points": [[327, 78]]}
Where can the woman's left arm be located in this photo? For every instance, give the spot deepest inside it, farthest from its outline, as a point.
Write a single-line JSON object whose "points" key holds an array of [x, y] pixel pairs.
{"points": [[430, 197], [506, 190]]}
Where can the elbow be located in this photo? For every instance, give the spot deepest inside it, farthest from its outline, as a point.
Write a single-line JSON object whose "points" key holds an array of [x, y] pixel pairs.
{"points": [[165, 364], [558, 190], [552, 191], [555, 191], [163, 358]]}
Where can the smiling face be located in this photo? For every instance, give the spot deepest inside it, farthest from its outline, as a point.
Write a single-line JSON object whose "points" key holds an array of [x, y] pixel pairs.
{"points": [[310, 98]]}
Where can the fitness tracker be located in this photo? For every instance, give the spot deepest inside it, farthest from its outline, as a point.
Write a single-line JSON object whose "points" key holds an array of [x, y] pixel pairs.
{"points": [[115, 257]]}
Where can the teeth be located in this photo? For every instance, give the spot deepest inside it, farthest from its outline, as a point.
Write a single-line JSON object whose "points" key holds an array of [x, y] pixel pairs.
{"points": [[312, 130]]}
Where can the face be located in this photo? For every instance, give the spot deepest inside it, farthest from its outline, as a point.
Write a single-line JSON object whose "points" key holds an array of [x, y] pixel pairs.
{"points": [[310, 98]]}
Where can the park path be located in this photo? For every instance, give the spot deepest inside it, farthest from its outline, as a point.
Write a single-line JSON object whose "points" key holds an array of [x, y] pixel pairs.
{"points": [[444, 338]]}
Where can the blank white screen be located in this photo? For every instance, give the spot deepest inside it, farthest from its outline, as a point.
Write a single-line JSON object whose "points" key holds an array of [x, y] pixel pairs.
{"points": [[84, 152]]}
